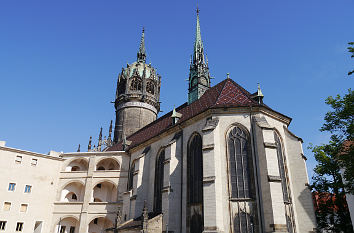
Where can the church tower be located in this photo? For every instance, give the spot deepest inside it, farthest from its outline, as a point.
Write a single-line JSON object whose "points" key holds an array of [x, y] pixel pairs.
{"points": [[137, 96], [199, 77]]}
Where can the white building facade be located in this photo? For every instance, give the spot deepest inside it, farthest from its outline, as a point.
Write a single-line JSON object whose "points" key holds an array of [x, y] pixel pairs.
{"points": [[222, 162]]}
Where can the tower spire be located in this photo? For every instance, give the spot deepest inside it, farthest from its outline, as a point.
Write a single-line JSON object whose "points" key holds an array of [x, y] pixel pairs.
{"points": [[199, 77], [142, 53], [198, 54]]}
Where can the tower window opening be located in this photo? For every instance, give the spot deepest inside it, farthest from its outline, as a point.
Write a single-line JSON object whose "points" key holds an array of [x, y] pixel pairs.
{"points": [[150, 88], [73, 196], [136, 85]]}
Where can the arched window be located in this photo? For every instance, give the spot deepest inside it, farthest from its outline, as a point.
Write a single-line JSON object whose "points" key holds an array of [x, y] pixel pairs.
{"points": [[136, 84], [240, 162], [195, 184], [242, 182], [131, 176], [243, 223], [73, 196], [150, 88], [159, 174], [284, 184], [101, 168]]}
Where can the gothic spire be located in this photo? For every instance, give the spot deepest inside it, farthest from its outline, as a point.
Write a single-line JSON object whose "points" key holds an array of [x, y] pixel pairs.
{"points": [[199, 76], [198, 54], [142, 53]]}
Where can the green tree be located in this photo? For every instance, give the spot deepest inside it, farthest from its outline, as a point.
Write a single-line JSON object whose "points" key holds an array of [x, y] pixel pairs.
{"points": [[351, 50], [340, 123], [332, 158]]}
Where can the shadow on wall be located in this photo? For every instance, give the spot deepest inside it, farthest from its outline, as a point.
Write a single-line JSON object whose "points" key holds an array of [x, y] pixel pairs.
{"points": [[305, 199]]}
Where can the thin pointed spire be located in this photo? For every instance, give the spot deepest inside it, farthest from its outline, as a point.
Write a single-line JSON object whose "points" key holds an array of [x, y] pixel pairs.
{"points": [[259, 91], [89, 145], [78, 149], [99, 140], [110, 131], [198, 44], [142, 51]]}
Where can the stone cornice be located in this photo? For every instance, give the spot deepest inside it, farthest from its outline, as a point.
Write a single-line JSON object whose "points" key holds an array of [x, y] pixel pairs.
{"points": [[4, 148]]}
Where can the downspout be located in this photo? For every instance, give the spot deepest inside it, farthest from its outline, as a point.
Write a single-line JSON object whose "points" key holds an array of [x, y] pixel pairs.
{"points": [[257, 172]]}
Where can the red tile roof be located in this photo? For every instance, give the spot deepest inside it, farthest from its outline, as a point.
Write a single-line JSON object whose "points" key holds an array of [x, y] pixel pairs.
{"points": [[225, 94]]}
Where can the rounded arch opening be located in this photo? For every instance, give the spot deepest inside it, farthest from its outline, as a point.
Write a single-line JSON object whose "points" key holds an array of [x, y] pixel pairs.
{"points": [[67, 225], [100, 224], [72, 192], [107, 164], [104, 191], [80, 164]]}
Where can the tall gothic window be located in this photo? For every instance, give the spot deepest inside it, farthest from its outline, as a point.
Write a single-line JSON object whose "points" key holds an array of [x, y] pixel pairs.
{"points": [[150, 88], [131, 176], [284, 184], [241, 166], [242, 182], [159, 174], [136, 84], [195, 185]]}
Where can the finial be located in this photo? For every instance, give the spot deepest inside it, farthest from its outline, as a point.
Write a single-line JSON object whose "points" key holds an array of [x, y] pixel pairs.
{"points": [[259, 91], [89, 145], [197, 10], [99, 141], [110, 131], [228, 75], [175, 116], [78, 149], [142, 53]]}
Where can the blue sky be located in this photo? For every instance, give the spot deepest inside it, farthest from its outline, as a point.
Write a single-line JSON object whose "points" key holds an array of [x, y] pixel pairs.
{"points": [[59, 60]]}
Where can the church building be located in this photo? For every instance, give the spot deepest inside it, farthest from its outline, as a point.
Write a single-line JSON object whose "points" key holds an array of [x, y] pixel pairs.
{"points": [[224, 161]]}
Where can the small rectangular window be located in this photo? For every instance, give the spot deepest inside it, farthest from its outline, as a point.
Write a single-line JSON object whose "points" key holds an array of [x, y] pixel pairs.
{"points": [[23, 208], [34, 162], [18, 159], [72, 230], [19, 226], [62, 229], [12, 186], [28, 188], [7, 206], [2, 225]]}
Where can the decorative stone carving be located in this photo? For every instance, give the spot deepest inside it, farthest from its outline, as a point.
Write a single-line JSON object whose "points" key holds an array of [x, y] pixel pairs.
{"points": [[210, 124]]}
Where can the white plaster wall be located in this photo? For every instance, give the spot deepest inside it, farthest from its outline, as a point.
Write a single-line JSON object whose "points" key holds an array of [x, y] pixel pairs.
{"points": [[44, 181]]}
